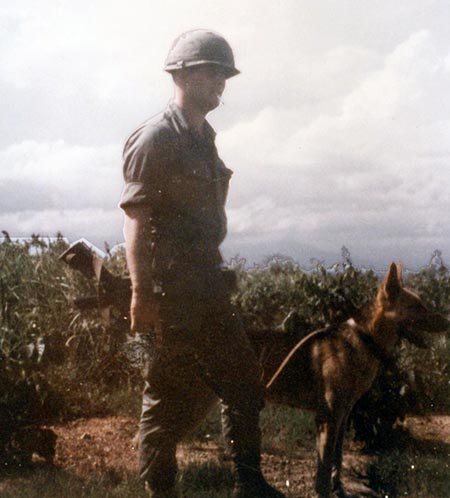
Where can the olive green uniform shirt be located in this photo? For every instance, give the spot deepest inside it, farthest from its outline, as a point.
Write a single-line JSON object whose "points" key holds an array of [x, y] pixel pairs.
{"points": [[180, 177]]}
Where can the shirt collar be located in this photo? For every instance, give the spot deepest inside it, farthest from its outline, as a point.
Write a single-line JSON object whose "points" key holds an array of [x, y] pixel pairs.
{"points": [[183, 126]]}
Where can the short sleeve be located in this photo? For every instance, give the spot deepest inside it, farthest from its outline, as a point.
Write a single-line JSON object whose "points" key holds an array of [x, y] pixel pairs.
{"points": [[146, 158]]}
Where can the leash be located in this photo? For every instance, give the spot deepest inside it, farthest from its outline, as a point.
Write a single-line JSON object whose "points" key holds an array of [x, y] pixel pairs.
{"points": [[291, 353], [380, 353]]}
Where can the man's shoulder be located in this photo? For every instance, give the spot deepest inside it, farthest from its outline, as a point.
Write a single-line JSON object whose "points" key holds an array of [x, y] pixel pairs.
{"points": [[154, 132]]}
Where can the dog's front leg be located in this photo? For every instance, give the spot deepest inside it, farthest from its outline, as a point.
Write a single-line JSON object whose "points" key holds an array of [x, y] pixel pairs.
{"points": [[327, 432]]}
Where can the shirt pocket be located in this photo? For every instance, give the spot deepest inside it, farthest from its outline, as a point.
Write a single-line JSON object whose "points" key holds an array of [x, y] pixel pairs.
{"points": [[194, 188]]}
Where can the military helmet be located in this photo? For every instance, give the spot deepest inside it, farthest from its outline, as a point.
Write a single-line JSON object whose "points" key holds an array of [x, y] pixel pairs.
{"points": [[200, 46]]}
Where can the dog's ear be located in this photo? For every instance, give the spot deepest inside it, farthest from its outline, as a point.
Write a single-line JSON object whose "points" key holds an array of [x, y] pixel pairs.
{"points": [[399, 273], [392, 284]]}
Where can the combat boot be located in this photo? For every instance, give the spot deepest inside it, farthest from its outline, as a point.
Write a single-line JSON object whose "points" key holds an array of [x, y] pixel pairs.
{"points": [[244, 445], [252, 484], [161, 493]]}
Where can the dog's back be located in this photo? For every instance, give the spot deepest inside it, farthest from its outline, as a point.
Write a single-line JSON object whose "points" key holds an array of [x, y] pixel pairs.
{"points": [[331, 365]]}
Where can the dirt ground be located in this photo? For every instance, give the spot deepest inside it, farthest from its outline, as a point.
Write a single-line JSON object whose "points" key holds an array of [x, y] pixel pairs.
{"points": [[106, 446]]}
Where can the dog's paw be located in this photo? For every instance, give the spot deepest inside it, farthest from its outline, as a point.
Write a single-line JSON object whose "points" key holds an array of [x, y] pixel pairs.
{"points": [[357, 491]]}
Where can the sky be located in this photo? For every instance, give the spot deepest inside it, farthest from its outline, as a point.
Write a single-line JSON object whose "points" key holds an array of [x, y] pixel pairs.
{"points": [[337, 130]]}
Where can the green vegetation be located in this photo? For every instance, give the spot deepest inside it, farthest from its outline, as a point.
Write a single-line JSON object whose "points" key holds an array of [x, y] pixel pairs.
{"points": [[199, 481], [322, 296], [57, 362], [82, 360], [52, 483], [45, 338], [406, 472]]}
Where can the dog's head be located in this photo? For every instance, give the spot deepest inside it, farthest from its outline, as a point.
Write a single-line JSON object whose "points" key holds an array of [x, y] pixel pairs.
{"points": [[405, 308]]}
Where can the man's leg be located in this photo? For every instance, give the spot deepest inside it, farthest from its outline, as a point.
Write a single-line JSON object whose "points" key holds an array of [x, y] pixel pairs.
{"points": [[175, 400], [158, 440], [228, 364]]}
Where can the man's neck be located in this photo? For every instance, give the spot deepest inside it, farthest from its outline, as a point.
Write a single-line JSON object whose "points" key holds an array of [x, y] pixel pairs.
{"points": [[194, 117]]}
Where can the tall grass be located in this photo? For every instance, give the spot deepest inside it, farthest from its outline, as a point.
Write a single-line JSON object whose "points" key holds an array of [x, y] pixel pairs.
{"points": [[76, 366]]}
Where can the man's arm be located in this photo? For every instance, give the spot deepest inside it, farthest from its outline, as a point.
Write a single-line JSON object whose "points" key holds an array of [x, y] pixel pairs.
{"points": [[137, 232]]}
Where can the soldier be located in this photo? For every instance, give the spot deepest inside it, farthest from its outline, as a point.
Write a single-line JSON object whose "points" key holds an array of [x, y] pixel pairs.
{"points": [[174, 197]]}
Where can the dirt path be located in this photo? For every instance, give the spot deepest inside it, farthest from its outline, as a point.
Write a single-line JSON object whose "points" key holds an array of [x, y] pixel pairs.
{"points": [[104, 446]]}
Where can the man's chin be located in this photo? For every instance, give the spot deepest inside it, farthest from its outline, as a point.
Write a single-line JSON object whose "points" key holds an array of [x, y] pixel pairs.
{"points": [[210, 106], [215, 105]]}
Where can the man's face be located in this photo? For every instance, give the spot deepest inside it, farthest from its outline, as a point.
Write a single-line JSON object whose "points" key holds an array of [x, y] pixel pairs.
{"points": [[203, 86]]}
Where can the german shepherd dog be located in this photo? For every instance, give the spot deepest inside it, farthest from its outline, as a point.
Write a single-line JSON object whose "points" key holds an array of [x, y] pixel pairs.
{"points": [[330, 369]]}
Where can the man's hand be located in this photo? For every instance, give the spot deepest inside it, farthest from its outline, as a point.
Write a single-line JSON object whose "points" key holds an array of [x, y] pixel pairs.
{"points": [[144, 312]]}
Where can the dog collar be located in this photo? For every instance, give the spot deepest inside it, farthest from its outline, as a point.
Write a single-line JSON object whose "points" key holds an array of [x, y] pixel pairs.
{"points": [[378, 351]]}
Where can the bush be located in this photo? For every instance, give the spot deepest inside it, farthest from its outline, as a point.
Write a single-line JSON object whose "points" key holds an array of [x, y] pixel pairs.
{"points": [[54, 360], [322, 296], [71, 363], [29, 303], [325, 296], [430, 369]]}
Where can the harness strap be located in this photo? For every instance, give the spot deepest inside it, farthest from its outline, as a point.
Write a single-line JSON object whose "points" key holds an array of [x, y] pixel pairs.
{"points": [[291, 353], [379, 352]]}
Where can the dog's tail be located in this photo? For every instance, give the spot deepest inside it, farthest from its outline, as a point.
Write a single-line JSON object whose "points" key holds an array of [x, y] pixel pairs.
{"points": [[313, 335]]}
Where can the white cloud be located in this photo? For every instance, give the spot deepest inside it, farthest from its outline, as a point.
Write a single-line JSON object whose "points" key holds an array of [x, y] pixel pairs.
{"points": [[51, 187], [363, 175], [96, 225], [62, 176], [337, 129], [261, 216]]}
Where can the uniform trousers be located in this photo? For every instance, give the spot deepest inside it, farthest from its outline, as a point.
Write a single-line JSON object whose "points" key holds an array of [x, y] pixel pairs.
{"points": [[202, 356]]}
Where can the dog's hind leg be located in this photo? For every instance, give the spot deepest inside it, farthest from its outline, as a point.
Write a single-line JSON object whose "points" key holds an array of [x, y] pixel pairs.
{"points": [[338, 489], [327, 434]]}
